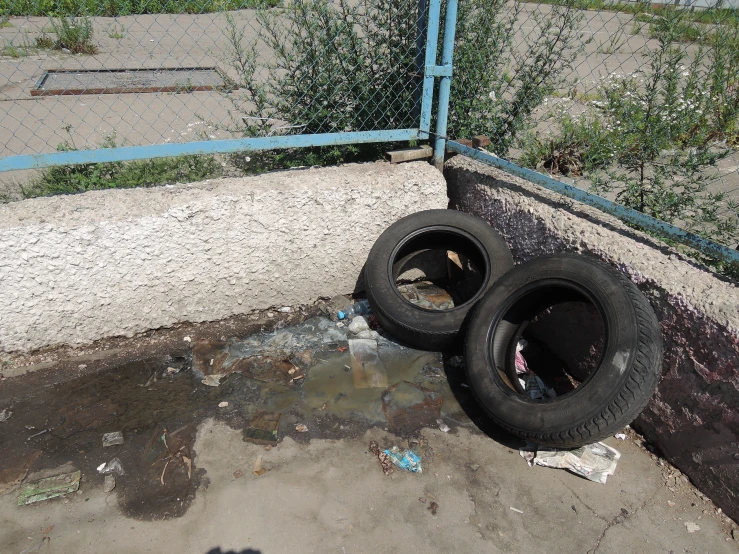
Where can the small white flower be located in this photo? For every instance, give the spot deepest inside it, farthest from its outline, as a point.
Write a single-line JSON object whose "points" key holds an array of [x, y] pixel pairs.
{"points": [[492, 95]]}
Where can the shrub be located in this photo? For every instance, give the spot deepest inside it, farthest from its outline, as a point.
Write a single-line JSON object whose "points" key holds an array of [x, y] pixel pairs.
{"points": [[73, 34], [351, 66], [498, 84]]}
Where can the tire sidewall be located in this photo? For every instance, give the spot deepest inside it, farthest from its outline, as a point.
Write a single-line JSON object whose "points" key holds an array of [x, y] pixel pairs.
{"points": [[592, 396], [392, 310]]}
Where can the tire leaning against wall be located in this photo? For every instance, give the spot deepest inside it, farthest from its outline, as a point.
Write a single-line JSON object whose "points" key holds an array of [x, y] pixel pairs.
{"points": [[615, 392], [432, 229]]}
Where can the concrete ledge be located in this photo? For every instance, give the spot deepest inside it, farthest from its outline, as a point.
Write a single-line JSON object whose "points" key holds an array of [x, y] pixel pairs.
{"points": [[693, 417], [75, 269]]}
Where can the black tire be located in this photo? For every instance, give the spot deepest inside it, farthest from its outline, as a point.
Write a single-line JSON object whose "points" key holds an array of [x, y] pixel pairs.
{"points": [[438, 230], [613, 394]]}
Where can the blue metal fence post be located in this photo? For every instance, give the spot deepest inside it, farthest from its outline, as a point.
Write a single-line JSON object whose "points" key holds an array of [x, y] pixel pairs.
{"points": [[432, 40], [447, 56], [420, 51]]}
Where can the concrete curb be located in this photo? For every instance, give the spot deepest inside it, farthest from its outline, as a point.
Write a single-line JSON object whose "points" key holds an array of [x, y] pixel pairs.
{"points": [[75, 269]]}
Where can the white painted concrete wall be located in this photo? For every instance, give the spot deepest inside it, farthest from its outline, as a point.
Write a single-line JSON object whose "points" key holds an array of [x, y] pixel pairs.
{"points": [[74, 269]]}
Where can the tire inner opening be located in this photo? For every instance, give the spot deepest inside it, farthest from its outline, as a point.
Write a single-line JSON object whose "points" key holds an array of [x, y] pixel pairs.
{"points": [[439, 271], [549, 342]]}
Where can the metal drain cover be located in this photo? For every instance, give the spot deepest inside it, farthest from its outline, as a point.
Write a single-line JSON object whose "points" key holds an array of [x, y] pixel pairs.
{"points": [[120, 81]]}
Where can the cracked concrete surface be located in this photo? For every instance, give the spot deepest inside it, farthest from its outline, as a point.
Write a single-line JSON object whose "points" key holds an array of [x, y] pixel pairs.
{"points": [[331, 496]]}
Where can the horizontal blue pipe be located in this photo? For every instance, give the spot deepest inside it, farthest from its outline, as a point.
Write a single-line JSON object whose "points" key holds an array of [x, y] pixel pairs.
{"points": [[126, 153], [622, 212]]}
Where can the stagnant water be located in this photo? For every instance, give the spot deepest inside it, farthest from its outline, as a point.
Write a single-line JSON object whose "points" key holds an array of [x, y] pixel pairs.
{"points": [[159, 402]]}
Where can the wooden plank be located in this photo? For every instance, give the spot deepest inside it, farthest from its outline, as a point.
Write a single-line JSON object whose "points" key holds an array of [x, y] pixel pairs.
{"points": [[410, 154]]}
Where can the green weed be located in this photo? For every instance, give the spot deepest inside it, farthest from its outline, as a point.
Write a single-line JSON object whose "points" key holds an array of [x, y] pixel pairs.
{"points": [[72, 179], [116, 32], [44, 42], [113, 8], [73, 34], [12, 51]]}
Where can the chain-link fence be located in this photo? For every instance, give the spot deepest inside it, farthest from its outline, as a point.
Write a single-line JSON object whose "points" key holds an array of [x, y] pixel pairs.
{"points": [[635, 101], [77, 75]]}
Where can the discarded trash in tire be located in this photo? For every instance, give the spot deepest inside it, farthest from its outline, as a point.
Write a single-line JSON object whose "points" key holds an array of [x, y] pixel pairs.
{"points": [[593, 461], [428, 270], [537, 389]]}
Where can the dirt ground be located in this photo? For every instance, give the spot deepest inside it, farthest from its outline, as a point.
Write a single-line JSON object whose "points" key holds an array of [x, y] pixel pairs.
{"points": [[314, 489]]}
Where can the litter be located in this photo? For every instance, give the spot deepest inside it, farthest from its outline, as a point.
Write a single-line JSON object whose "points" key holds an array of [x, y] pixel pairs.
{"points": [[259, 469], [187, 339], [385, 462], [109, 483], [443, 427], [408, 460], [516, 510], [113, 466], [367, 368], [112, 439], [37, 434], [358, 308], [692, 527], [173, 370], [593, 461], [285, 309], [50, 483], [537, 390], [223, 404], [521, 365], [212, 380], [358, 325], [5, 415], [301, 428], [620, 436]]}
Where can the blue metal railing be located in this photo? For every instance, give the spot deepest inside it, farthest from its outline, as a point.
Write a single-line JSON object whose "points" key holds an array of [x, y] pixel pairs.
{"points": [[622, 212], [427, 41]]}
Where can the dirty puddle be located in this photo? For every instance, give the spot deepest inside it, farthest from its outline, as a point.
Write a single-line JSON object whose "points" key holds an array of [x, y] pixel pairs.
{"points": [[312, 380]]}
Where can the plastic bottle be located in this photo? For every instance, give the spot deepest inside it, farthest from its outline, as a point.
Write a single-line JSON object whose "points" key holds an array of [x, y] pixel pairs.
{"points": [[358, 308]]}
